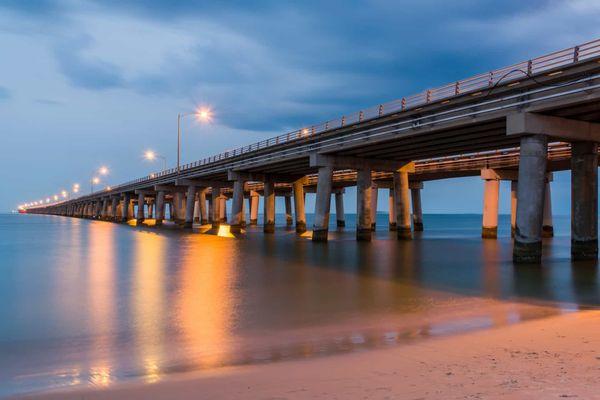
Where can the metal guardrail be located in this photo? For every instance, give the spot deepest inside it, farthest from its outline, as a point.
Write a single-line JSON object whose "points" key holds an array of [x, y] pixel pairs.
{"points": [[469, 85]]}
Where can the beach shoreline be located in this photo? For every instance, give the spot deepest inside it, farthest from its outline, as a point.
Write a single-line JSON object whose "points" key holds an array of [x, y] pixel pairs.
{"points": [[553, 357]]}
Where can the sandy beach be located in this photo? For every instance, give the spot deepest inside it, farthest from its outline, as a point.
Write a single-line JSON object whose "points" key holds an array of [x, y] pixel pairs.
{"points": [[555, 357]]}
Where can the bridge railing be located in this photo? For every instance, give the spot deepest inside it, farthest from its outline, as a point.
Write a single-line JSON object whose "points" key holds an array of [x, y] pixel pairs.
{"points": [[474, 84]]}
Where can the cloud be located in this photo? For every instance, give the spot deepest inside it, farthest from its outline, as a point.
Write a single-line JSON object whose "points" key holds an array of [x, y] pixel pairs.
{"points": [[4, 93], [49, 102], [85, 72]]}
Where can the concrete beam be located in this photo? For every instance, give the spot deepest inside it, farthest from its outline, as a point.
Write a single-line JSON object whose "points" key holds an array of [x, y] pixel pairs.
{"points": [[146, 192], [556, 127], [490, 174], [345, 162], [169, 188], [202, 183]]}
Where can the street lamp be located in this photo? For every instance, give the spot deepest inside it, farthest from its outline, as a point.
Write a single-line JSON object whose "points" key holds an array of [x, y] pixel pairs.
{"points": [[75, 187], [151, 156], [203, 114], [95, 180]]}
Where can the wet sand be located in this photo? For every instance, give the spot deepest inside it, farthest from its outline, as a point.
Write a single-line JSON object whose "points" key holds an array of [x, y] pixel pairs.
{"points": [[554, 357]]}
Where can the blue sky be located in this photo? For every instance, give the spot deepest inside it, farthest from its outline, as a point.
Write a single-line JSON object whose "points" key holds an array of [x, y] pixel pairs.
{"points": [[91, 83]]}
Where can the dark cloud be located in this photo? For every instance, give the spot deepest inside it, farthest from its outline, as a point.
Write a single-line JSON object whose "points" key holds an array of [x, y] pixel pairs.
{"points": [[4, 93], [83, 72]]}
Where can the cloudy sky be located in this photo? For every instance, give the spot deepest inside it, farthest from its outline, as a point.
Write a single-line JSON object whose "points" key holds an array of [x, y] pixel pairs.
{"points": [[91, 83]]}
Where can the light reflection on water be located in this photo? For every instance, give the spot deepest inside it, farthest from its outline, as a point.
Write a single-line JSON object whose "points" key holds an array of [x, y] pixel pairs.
{"points": [[95, 303]]}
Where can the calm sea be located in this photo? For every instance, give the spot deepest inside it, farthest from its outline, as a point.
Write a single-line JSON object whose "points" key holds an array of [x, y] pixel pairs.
{"points": [[94, 303]]}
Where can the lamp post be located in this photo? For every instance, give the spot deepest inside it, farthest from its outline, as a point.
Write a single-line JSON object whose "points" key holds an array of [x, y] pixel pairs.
{"points": [[95, 180], [203, 115]]}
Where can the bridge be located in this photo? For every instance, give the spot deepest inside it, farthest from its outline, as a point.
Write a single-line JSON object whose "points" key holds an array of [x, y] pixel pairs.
{"points": [[517, 123]]}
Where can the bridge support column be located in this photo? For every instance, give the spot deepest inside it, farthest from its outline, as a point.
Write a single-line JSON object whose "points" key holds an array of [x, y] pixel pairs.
{"points": [[300, 213], [391, 210], [243, 220], [237, 206], [530, 199], [126, 207], [223, 208], [160, 207], [491, 191], [417, 210], [269, 207], [584, 201], [151, 209], [190, 200], [402, 205], [197, 211], [98, 209], [339, 208], [364, 191], [374, 198], [513, 207], [113, 208], [140, 208], [323, 204], [289, 219], [253, 200], [202, 203], [547, 225], [104, 212], [215, 202]]}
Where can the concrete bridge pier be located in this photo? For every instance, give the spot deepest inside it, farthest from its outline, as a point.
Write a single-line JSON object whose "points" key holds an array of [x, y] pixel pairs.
{"points": [[289, 219], [104, 212], [190, 201], [114, 204], [491, 192], [215, 201], [150, 208], [391, 210], [299, 206], [513, 207], [140, 208], [530, 199], [364, 191], [98, 209], [237, 206], [269, 207], [547, 225], [243, 220], [126, 207], [584, 201], [374, 196], [202, 204], [253, 203], [339, 208], [197, 210], [160, 207], [223, 208], [402, 205], [323, 203], [417, 210]]}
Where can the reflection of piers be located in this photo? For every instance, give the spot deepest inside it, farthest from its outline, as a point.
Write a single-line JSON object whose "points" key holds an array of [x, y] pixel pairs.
{"points": [[518, 123]]}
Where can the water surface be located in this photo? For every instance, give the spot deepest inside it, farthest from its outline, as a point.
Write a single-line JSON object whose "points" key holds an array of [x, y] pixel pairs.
{"points": [[95, 303]]}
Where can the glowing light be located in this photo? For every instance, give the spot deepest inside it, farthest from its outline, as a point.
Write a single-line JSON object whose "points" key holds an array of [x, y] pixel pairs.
{"points": [[64, 194], [103, 170], [108, 188], [150, 155], [204, 114], [95, 180], [48, 200], [75, 187], [305, 132], [55, 197]]}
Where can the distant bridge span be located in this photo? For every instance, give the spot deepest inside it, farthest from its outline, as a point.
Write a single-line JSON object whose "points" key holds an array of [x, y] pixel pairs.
{"points": [[518, 123]]}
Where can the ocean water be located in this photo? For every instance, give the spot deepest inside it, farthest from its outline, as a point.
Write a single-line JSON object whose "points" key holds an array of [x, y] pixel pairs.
{"points": [[96, 303]]}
